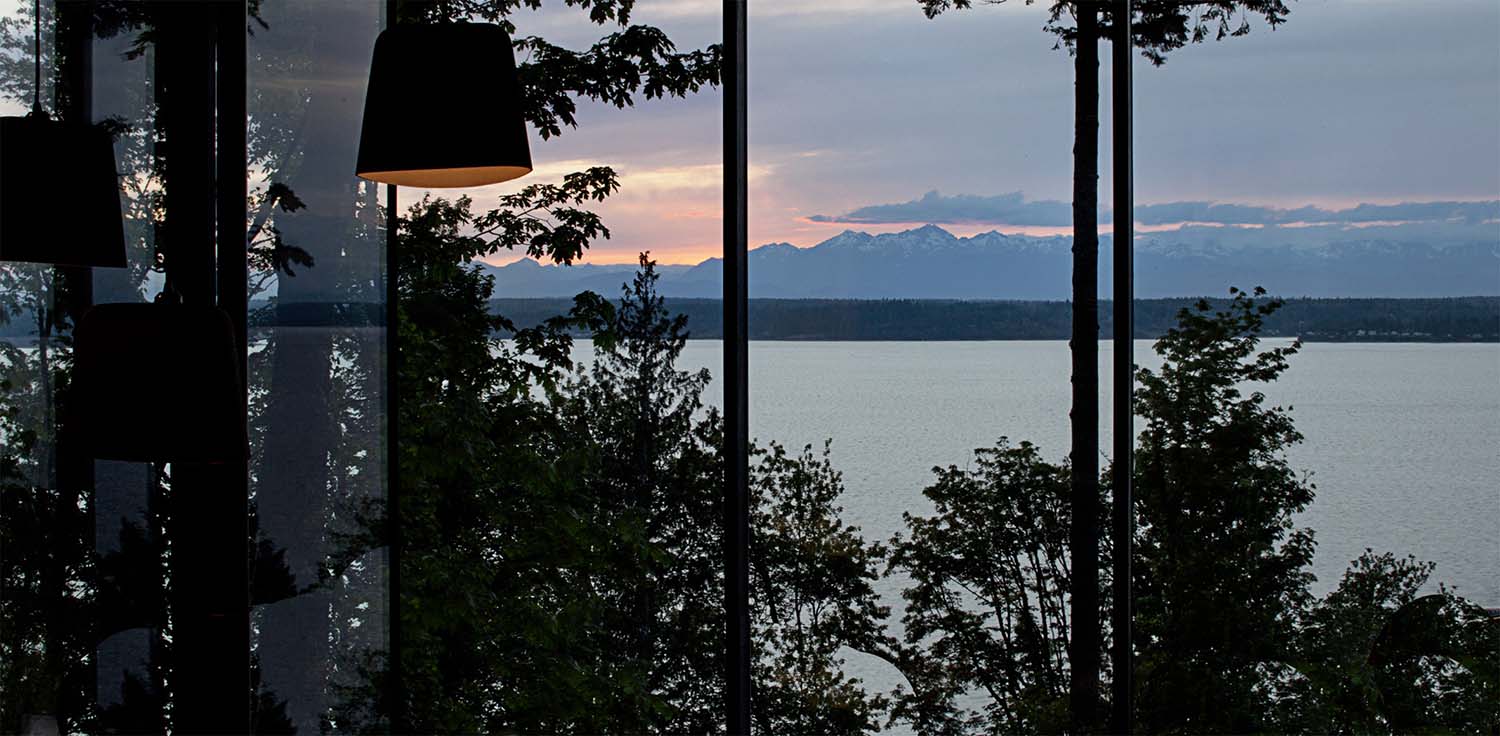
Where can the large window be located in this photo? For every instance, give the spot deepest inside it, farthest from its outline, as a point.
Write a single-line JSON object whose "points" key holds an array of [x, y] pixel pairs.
{"points": [[488, 482]]}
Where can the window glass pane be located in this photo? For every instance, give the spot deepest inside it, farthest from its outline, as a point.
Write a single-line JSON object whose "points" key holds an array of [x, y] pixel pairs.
{"points": [[879, 353], [47, 586], [1377, 229], [133, 652], [317, 371], [560, 504], [100, 577], [912, 215]]}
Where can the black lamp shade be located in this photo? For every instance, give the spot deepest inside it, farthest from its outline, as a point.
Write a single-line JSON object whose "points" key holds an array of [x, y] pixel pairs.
{"points": [[158, 383], [443, 108], [59, 195]]}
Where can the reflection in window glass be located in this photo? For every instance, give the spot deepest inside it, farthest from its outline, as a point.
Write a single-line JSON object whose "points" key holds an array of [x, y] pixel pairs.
{"points": [[91, 596], [316, 372], [562, 555], [44, 580], [130, 520]]}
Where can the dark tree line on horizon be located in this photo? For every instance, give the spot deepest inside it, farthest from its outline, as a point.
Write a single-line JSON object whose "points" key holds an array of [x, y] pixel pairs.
{"points": [[1457, 319], [1446, 319]]}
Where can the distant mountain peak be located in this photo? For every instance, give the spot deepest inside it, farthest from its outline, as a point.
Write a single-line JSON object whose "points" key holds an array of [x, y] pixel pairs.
{"points": [[845, 239], [930, 229], [776, 249], [905, 241]]}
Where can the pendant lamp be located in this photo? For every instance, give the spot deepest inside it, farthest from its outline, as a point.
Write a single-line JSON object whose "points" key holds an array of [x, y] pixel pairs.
{"points": [[158, 383], [59, 194], [428, 124]]}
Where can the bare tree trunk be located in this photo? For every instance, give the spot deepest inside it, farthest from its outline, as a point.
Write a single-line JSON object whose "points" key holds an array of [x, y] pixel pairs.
{"points": [[1084, 590]]}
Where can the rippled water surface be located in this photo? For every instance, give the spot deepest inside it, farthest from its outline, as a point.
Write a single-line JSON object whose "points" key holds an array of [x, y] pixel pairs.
{"points": [[1402, 440]]}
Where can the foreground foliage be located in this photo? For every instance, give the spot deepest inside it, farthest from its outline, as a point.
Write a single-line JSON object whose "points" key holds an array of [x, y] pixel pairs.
{"points": [[562, 522], [987, 610], [1222, 574], [1229, 637]]}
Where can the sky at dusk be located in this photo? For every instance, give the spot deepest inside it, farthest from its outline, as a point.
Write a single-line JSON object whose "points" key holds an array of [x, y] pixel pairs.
{"points": [[866, 115], [856, 103]]}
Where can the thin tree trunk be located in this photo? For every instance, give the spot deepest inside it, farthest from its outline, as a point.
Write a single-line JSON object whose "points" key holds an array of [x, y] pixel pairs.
{"points": [[1084, 590]]}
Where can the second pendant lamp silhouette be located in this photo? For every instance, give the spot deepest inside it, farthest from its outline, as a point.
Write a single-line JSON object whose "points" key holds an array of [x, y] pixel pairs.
{"points": [[159, 383]]}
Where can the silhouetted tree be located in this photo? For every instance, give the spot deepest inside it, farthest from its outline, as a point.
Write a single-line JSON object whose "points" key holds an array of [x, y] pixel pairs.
{"points": [[652, 484], [1221, 577], [812, 596], [564, 563], [1229, 637], [987, 606], [1376, 656], [653, 463], [497, 601]]}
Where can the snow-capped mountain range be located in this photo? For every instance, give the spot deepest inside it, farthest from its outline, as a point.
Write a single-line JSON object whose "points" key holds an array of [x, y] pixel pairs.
{"points": [[1400, 260]]}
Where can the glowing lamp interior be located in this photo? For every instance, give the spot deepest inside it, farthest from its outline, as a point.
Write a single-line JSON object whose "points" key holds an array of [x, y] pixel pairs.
{"points": [[467, 176]]}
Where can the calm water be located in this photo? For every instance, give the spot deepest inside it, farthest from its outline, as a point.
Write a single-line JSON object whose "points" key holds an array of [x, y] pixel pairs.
{"points": [[1403, 440]]}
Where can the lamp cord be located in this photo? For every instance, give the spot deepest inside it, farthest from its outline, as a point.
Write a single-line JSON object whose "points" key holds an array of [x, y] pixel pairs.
{"points": [[36, 90]]}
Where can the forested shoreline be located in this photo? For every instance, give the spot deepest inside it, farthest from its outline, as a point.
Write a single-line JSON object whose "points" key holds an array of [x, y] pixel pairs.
{"points": [[1458, 319], [1455, 319]]}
